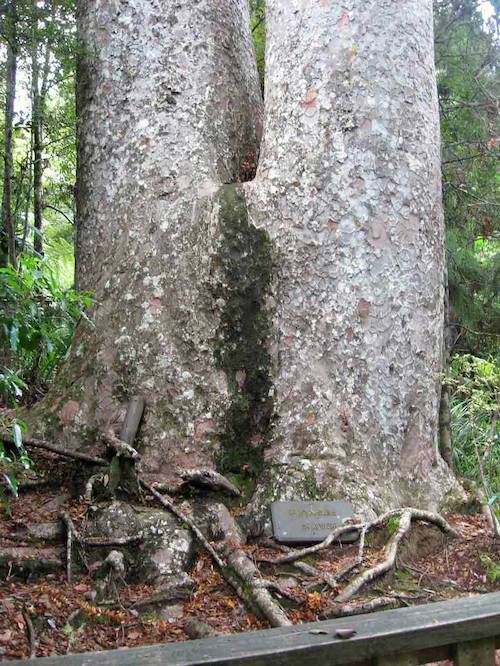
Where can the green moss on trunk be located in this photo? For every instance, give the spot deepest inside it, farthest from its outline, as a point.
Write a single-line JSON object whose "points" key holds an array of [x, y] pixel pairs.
{"points": [[244, 270]]}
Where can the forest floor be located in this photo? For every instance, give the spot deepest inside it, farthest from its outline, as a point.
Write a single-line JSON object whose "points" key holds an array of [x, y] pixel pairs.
{"points": [[64, 618]]}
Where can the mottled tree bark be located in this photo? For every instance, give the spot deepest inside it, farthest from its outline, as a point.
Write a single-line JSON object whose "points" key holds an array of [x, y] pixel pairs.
{"points": [[169, 108], [287, 331], [349, 189]]}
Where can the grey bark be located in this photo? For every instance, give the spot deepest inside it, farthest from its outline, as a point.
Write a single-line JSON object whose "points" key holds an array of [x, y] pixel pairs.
{"points": [[349, 188], [290, 328]]}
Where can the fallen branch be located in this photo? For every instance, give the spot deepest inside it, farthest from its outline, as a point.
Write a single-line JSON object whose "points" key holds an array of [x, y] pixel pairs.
{"points": [[249, 589], [41, 444], [346, 610]]}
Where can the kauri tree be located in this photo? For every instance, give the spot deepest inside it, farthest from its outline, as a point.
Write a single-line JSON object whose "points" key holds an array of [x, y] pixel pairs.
{"points": [[284, 329]]}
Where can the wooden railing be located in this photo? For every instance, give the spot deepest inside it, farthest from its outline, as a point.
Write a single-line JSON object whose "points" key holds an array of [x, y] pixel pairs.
{"points": [[465, 630]]}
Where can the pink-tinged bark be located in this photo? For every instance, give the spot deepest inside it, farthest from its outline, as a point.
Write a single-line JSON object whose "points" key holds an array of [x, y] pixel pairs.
{"points": [[294, 337]]}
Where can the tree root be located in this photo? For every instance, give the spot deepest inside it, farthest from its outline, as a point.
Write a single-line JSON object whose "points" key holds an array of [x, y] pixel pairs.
{"points": [[195, 628], [416, 514], [239, 571], [120, 448], [256, 589], [89, 486], [391, 550], [345, 610], [203, 478], [309, 570], [71, 532]]}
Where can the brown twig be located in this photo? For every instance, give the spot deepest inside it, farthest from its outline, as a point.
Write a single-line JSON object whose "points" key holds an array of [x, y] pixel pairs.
{"points": [[30, 633], [41, 444]]}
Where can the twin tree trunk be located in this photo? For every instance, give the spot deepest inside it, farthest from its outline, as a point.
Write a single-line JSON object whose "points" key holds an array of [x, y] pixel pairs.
{"points": [[287, 330]]}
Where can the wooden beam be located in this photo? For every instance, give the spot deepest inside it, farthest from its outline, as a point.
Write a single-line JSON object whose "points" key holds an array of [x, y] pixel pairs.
{"points": [[474, 653], [398, 660], [419, 629]]}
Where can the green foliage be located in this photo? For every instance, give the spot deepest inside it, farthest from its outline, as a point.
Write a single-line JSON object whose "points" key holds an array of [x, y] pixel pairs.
{"points": [[14, 461], [393, 524], [37, 321], [467, 55], [492, 568], [258, 27], [475, 400]]}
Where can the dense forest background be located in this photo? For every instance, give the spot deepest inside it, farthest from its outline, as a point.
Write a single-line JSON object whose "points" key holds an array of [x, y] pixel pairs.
{"points": [[39, 308]]}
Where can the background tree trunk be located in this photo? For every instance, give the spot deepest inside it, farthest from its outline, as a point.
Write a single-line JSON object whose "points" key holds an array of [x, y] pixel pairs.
{"points": [[39, 89], [8, 228]]}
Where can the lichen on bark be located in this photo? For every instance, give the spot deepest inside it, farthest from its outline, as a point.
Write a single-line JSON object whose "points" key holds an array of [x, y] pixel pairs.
{"points": [[244, 266]]}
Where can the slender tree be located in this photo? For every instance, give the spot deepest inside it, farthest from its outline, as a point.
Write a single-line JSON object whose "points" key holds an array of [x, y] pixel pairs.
{"points": [[8, 227], [40, 69]]}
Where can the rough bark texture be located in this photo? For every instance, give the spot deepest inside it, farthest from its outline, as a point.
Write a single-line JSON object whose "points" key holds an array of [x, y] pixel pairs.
{"points": [[348, 188], [287, 331], [169, 107]]}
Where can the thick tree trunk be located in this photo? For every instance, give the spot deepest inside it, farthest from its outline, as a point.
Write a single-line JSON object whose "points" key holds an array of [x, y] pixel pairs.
{"points": [[348, 187], [287, 331], [8, 228], [170, 109]]}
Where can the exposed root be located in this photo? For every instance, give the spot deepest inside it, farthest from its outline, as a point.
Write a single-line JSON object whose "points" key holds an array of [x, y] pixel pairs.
{"points": [[309, 570], [111, 543], [391, 550], [416, 514], [239, 571], [354, 562], [345, 610], [203, 478], [111, 570], [71, 532], [170, 506], [257, 592], [208, 478], [120, 448], [195, 628], [89, 486]]}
